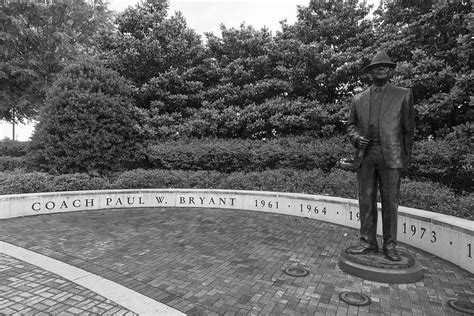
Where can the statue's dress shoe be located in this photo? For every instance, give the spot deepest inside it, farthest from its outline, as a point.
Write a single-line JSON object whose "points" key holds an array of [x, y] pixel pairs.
{"points": [[363, 250], [391, 253]]}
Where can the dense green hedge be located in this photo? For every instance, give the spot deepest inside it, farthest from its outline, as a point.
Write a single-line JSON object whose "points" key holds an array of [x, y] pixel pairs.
{"points": [[8, 163], [13, 148], [230, 155], [423, 195], [446, 162], [266, 118], [21, 182], [12, 154]]}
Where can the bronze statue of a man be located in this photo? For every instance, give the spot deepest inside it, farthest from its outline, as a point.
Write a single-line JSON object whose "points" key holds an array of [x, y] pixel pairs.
{"points": [[381, 127]]}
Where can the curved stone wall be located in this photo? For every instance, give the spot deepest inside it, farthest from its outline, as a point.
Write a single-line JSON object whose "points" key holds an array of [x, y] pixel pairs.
{"points": [[445, 236]]}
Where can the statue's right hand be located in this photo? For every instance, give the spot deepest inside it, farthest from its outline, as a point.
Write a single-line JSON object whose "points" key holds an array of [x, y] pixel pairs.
{"points": [[362, 142]]}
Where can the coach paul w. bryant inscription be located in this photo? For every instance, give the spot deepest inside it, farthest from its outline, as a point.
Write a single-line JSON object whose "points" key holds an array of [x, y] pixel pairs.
{"points": [[126, 201]]}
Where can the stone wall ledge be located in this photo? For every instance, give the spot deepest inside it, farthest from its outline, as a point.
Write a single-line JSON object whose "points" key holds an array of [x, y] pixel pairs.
{"points": [[445, 236]]}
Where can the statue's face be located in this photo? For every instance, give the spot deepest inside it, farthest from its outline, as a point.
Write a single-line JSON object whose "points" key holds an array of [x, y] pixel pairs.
{"points": [[380, 73]]}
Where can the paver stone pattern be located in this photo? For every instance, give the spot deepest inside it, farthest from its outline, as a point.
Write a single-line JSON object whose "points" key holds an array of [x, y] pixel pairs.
{"points": [[26, 289]]}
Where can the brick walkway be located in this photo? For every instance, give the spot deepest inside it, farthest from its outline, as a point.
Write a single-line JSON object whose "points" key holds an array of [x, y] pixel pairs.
{"points": [[27, 289], [205, 261]]}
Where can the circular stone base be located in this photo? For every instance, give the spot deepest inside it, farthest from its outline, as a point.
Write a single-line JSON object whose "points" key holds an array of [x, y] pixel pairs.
{"points": [[375, 267]]}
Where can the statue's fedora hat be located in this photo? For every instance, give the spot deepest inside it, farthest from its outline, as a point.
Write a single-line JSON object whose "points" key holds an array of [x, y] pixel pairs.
{"points": [[380, 59]]}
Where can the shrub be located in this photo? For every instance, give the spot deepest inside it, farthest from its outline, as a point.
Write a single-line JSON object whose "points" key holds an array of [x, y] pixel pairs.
{"points": [[88, 123], [8, 163], [13, 148], [19, 182], [140, 178], [229, 155], [193, 154], [256, 117], [434, 197], [447, 162], [268, 180], [77, 182], [337, 183]]}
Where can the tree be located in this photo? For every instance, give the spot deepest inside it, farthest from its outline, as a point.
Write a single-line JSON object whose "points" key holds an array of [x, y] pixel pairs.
{"points": [[324, 50], [149, 43], [435, 55], [162, 57], [38, 41], [204, 90], [246, 67], [89, 123]]}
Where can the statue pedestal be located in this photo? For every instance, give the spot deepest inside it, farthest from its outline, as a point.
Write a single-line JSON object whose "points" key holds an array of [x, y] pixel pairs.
{"points": [[375, 267]]}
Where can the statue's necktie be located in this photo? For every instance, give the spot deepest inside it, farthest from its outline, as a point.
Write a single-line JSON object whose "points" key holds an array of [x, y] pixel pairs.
{"points": [[378, 93], [374, 115]]}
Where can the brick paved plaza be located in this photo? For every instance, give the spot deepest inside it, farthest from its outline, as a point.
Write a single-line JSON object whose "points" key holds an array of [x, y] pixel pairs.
{"points": [[209, 262]]}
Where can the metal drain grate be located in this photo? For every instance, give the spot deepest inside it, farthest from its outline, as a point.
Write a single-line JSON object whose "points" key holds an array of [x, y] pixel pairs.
{"points": [[296, 271], [461, 306], [354, 298]]}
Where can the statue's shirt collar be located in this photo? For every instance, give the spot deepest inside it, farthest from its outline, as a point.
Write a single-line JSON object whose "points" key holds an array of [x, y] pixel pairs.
{"points": [[374, 88]]}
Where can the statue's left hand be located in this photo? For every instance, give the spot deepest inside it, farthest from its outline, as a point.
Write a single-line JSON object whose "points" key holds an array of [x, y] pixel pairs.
{"points": [[362, 142]]}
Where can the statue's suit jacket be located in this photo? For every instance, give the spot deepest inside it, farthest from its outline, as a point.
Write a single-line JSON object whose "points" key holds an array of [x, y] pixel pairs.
{"points": [[396, 124]]}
